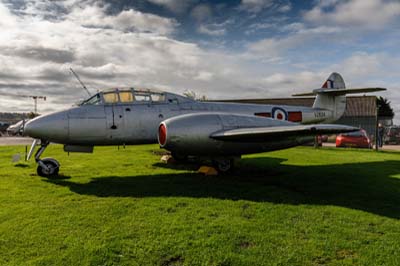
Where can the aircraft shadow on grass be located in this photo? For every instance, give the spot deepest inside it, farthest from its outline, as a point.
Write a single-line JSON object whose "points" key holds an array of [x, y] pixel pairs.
{"points": [[367, 186]]}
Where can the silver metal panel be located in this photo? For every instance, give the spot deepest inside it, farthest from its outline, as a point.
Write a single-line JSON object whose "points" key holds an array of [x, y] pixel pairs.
{"points": [[87, 123], [115, 123]]}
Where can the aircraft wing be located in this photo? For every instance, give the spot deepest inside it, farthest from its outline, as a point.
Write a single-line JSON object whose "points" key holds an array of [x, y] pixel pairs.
{"points": [[261, 134], [337, 92]]}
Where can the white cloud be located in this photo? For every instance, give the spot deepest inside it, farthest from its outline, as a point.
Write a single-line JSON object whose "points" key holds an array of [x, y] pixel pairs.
{"points": [[274, 47], [300, 28], [6, 18], [297, 35], [255, 6], [285, 8], [258, 26], [211, 30], [36, 52], [373, 14], [289, 83], [127, 20], [271, 47], [362, 64], [204, 76], [201, 12], [176, 6]]}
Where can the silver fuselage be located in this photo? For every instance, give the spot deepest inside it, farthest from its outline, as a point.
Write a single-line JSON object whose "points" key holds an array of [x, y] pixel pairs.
{"points": [[137, 123], [185, 127]]}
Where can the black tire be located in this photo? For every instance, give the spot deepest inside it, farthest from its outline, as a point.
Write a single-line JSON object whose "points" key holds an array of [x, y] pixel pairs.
{"points": [[223, 165], [53, 169]]}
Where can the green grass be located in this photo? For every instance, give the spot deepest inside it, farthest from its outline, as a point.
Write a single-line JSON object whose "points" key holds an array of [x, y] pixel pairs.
{"points": [[122, 207]]}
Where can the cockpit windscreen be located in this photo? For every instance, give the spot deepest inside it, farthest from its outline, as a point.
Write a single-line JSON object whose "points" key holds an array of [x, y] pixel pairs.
{"points": [[94, 100]]}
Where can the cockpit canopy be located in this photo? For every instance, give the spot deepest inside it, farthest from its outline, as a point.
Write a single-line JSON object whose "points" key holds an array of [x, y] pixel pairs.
{"points": [[134, 96]]}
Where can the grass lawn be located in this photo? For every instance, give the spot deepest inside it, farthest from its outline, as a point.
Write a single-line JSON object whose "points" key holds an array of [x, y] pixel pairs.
{"points": [[122, 207]]}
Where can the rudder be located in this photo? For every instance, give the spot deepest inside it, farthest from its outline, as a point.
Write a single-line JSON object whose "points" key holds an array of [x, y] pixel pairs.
{"points": [[335, 103], [335, 81]]}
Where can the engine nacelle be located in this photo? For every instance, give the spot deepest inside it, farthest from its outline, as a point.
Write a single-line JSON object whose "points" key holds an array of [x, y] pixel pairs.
{"points": [[190, 134]]}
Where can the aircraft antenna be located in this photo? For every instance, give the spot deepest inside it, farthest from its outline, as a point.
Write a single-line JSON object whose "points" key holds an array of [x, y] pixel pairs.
{"points": [[77, 77]]}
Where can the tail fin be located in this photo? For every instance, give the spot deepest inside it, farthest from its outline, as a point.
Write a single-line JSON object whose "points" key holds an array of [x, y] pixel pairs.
{"points": [[335, 81], [337, 104], [331, 96]]}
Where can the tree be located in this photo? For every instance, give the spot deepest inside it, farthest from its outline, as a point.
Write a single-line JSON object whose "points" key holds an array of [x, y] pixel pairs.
{"points": [[193, 95], [32, 115], [384, 108]]}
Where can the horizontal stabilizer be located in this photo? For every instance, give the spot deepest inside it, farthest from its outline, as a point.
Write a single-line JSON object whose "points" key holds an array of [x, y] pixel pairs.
{"points": [[338, 92], [262, 134]]}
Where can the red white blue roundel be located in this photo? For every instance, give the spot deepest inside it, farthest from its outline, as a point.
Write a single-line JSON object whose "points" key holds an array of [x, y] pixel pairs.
{"points": [[279, 113]]}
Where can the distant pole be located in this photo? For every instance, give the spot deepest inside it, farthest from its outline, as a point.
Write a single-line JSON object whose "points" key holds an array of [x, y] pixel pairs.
{"points": [[376, 130], [316, 144], [35, 102]]}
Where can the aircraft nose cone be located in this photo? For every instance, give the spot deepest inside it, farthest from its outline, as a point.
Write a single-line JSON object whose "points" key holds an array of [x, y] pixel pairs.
{"points": [[31, 128], [52, 127]]}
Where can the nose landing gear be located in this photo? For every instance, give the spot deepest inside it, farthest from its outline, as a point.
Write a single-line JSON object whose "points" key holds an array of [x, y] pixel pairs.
{"points": [[47, 167]]}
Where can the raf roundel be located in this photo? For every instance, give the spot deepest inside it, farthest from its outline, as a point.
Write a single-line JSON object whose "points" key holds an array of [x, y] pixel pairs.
{"points": [[279, 113]]}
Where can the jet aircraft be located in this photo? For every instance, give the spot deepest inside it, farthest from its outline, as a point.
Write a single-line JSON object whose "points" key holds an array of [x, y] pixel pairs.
{"points": [[219, 131]]}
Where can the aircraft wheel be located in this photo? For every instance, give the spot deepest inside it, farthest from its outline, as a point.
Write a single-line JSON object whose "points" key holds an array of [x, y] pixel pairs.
{"points": [[52, 168], [223, 165]]}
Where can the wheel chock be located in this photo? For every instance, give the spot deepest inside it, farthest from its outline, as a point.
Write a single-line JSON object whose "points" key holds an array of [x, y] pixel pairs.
{"points": [[168, 159], [207, 170]]}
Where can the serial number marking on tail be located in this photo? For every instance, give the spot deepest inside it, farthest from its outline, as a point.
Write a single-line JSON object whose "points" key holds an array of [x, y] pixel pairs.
{"points": [[319, 114]]}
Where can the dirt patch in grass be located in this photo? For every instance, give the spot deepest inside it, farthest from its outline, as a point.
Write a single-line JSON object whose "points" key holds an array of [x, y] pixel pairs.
{"points": [[172, 261]]}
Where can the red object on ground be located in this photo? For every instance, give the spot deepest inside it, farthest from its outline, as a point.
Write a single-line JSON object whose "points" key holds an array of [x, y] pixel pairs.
{"points": [[357, 139]]}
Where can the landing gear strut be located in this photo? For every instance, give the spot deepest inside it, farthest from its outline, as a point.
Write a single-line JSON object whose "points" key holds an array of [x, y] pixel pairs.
{"points": [[47, 167]]}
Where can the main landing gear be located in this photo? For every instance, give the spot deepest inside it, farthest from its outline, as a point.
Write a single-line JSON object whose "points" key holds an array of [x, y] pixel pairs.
{"points": [[47, 167], [223, 165]]}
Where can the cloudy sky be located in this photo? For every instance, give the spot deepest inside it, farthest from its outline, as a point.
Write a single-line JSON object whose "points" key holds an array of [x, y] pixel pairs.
{"points": [[222, 49]]}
